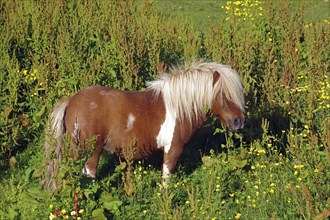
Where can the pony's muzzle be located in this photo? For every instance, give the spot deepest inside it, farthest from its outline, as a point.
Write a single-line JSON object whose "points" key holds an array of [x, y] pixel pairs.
{"points": [[236, 124]]}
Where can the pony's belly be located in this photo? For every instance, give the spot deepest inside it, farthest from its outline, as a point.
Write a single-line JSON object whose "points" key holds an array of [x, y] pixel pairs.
{"points": [[133, 152]]}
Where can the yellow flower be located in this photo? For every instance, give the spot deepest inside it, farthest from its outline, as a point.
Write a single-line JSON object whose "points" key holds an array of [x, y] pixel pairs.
{"points": [[238, 216], [187, 202], [51, 216], [81, 211], [73, 213], [298, 166], [144, 211], [261, 151], [63, 211], [51, 206]]}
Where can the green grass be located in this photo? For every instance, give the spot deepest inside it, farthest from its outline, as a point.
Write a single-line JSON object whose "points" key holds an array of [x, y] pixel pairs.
{"points": [[277, 167], [205, 12]]}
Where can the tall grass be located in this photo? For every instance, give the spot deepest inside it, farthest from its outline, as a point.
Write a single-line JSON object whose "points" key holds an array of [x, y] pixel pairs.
{"points": [[277, 167]]}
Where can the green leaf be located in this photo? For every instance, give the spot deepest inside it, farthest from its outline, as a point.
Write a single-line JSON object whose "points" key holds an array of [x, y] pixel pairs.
{"points": [[98, 214], [112, 205], [37, 115], [38, 193], [237, 162], [207, 161], [120, 167], [38, 172]]}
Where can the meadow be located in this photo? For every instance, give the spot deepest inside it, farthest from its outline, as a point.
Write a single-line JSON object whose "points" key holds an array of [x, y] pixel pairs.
{"points": [[277, 167]]}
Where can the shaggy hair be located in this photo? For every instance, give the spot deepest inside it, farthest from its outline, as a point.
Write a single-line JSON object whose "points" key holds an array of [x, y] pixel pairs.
{"points": [[190, 89]]}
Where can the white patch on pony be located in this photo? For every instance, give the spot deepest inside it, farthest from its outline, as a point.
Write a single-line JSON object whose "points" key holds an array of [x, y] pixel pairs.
{"points": [[93, 105], [165, 135], [105, 93], [87, 172], [130, 122], [166, 175], [76, 131]]}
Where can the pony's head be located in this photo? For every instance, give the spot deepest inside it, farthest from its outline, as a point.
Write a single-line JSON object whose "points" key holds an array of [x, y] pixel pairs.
{"points": [[189, 89], [228, 101]]}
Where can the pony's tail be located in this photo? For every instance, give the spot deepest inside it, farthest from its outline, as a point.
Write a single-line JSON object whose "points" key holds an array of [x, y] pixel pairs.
{"points": [[53, 153]]}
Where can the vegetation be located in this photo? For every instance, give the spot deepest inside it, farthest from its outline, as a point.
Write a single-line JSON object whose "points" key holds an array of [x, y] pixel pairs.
{"points": [[277, 167]]}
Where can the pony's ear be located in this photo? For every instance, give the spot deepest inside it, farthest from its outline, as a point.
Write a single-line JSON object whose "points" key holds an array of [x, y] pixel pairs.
{"points": [[216, 77]]}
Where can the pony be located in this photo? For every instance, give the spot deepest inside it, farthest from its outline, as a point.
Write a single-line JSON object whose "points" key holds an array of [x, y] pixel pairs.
{"points": [[162, 118]]}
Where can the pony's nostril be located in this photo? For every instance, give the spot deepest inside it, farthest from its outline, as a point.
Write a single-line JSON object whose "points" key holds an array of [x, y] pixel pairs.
{"points": [[237, 122]]}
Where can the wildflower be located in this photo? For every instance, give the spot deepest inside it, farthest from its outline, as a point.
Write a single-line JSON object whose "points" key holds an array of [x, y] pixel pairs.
{"points": [[261, 151], [298, 166], [63, 211], [144, 211], [81, 211], [51, 206], [52, 216], [78, 218], [238, 216], [187, 202], [73, 213], [316, 170]]}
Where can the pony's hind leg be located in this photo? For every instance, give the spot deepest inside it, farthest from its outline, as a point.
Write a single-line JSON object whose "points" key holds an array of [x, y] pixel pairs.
{"points": [[93, 162]]}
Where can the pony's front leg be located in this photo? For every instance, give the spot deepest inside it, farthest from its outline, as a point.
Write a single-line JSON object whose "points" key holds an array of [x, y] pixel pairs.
{"points": [[171, 156]]}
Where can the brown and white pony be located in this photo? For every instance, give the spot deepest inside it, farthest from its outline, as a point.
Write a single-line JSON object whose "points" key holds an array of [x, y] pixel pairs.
{"points": [[162, 118]]}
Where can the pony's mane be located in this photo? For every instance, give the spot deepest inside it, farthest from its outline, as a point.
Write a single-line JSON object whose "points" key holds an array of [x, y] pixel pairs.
{"points": [[189, 90]]}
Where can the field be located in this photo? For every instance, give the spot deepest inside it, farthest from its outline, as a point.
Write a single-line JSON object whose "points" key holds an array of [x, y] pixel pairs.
{"points": [[277, 167]]}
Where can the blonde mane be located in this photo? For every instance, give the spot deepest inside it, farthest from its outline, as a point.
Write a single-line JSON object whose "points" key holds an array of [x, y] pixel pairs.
{"points": [[189, 90]]}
